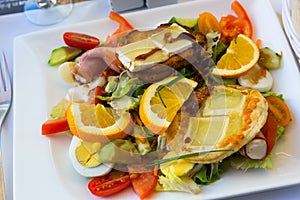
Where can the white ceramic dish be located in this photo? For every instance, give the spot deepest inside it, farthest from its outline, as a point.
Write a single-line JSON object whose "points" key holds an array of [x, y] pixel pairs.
{"points": [[42, 168], [290, 19]]}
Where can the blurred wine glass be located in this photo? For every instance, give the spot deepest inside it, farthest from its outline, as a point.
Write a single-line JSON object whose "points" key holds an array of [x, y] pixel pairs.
{"points": [[47, 12], [291, 22]]}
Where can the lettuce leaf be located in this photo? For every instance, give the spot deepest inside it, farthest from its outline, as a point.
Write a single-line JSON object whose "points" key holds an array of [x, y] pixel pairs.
{"points": [[238, 161], [122, 86], [280, 131], [212, 41], [271, 93], [171, 182], [208, 174], [59, 109]]}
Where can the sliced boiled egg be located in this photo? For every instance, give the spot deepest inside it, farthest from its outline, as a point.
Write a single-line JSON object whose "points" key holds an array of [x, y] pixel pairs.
{"points": [[65, 72], [84, 158], [257, 78]]}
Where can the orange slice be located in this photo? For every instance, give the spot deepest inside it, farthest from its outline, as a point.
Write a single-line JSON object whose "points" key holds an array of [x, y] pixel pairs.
{"points": [[161, 101], [241, 55], [98, 123]]}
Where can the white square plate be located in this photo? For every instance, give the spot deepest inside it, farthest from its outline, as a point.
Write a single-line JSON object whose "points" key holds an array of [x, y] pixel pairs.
{"points": [[42, 169]]}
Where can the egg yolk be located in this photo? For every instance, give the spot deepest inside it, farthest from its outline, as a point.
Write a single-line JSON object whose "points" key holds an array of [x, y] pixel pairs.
{"points": [[87, 154]]}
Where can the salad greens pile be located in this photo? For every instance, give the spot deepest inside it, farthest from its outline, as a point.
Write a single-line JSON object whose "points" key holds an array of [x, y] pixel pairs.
{"points": [[122, 92]]}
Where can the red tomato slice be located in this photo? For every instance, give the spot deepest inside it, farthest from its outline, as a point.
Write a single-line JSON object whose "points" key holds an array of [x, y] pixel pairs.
{"points": [[143, 183], [98, 91], [80, 40], [270, 131], [109, 184], [232, 26], [55, 126], [239, 10]]}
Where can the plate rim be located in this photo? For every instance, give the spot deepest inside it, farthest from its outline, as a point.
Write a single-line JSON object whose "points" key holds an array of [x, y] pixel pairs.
{"points": [[25, 37]]}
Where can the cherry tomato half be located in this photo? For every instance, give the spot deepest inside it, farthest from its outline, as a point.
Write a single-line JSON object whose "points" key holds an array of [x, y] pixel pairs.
{"points": [[80, 40], [109, 184], [279, 109], [208, 22]]}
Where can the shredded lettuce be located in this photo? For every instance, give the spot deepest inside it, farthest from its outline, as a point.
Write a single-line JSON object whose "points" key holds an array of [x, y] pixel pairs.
{"points": [[280, 131], [216, 48], [212, 41], [124, 103], [121, 86], [208, 174], [171, 182], [112, 83], [238, 161], [59, 109]]}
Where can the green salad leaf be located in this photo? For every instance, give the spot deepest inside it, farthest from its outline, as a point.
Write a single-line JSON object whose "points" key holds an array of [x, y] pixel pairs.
{"points": [[238, 161], [121, 86], [171, 182], [271, 93], [59, 109], [208, 174]]}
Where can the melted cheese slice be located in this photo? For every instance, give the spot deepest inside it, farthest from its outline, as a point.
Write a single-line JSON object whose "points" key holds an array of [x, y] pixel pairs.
{"points": [[158, 48], [224, 101], [207, 130], [228, 119]]}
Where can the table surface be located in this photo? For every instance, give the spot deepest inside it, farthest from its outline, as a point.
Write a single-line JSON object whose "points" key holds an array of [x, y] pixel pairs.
{"points": [[83, 11]]}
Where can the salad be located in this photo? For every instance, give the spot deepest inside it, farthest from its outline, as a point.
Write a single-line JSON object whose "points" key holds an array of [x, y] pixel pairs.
{"points": [[169, 108]]}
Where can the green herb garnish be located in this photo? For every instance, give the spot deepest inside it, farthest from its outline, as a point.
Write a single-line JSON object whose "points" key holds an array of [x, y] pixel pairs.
{"points": [[158, 162], [169, 84]]}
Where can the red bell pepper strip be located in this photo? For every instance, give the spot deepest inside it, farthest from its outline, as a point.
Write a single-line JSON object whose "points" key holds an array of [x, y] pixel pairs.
{"points": [[124, 28], [55, 126], [232, 26], [124, 25]]}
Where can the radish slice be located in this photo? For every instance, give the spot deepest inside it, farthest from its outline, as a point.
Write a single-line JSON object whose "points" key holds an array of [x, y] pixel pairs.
{"points": [[256, 149]]}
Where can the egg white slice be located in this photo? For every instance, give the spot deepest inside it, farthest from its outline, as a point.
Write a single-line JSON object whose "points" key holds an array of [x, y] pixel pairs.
{"points": [[257, 78], [100, 170]]}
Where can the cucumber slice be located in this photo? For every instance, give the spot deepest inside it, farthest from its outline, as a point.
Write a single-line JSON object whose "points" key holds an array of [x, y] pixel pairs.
{"points": [[189, 22], [269, 58]]}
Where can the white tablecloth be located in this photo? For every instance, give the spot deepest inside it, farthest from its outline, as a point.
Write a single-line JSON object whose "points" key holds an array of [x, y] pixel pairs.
{"points": [[13, 25]]}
